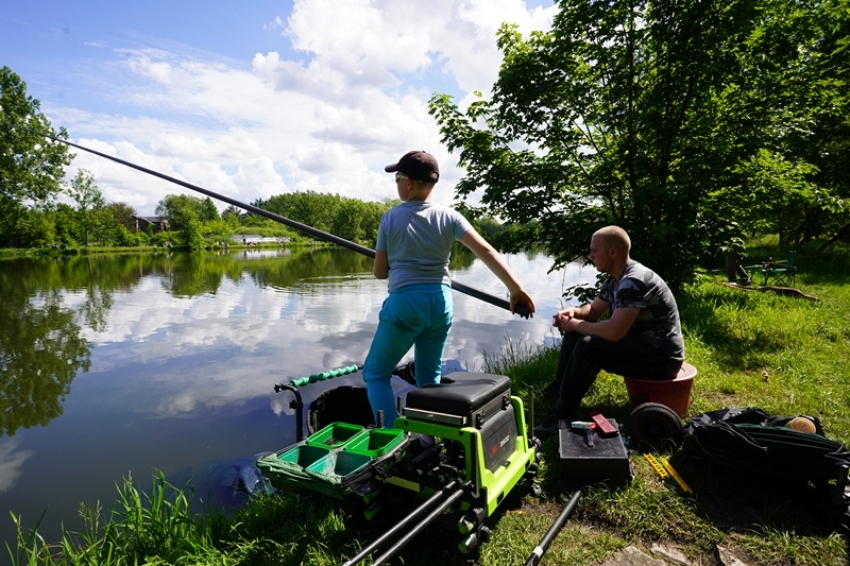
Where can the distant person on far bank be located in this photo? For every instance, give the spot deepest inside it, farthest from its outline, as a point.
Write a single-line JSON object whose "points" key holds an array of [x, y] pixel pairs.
{"points": [[413, 250], [642, 337]]}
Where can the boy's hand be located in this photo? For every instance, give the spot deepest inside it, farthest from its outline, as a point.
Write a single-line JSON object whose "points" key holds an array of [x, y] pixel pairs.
{"points": [[521, 297]]}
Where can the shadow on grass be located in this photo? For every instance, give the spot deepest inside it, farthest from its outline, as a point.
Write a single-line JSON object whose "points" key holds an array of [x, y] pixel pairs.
{"points": [[749, 343], [748, 503], [705, 316]]}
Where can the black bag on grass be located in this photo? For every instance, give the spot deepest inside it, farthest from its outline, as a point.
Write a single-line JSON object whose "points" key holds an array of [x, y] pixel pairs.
{"points": [[751, 441]]}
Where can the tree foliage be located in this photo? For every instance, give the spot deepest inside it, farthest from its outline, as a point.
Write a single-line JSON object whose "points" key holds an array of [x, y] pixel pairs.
{"points": [[92, 213], [31, 169], [123, 214], [179, 209], [674, 120], [347, 218]]}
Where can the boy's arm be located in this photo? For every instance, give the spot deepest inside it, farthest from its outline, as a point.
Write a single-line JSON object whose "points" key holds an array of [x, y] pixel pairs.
{"points": [[494, 261], [382, 265]]}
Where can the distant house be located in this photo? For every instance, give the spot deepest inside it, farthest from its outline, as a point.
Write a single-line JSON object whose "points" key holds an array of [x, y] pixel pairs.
{"points": [[142, 223]]}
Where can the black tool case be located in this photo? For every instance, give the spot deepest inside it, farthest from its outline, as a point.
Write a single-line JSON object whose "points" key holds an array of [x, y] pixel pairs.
{"points": [[607, 461]]}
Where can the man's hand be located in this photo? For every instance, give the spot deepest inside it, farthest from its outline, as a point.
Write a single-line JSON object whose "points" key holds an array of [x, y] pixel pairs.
{"points": [[561, 315], [612, 329], [567, 323]]}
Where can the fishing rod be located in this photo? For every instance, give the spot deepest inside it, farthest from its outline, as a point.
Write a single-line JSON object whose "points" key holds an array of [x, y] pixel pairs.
{"points": [[521, 310]]}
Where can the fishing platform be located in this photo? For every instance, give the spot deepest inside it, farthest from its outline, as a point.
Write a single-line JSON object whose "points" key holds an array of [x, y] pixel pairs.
{"points": [[481, 453]]}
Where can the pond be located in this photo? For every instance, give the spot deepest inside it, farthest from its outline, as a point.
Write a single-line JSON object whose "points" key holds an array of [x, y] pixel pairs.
{"points": [[119, 365]]}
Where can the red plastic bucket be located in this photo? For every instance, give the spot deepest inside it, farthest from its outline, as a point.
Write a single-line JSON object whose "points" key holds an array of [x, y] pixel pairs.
{"points": [[675, 393]]}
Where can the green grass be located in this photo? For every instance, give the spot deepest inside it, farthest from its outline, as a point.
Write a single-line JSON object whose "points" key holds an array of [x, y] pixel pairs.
{"points": [[785, 355]]}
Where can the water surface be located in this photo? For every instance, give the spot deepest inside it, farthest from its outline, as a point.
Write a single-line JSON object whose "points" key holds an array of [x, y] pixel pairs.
{"points": [[120, 365]]}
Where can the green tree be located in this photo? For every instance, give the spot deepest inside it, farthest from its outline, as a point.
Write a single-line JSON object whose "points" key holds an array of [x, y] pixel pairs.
{"points": [[178, 209], [348, 220], [33, 228], [123, 237], [645, 114], [68, 230], [311, 208], [826, 144], [217, 228], [192, 232], [233, 215], [31, 168], [123, 214], [208, 211], [372, 213], [91, 206]]}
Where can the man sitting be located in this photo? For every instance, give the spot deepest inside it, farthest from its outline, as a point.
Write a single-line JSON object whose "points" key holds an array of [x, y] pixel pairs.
{"points": [[642, 338]]}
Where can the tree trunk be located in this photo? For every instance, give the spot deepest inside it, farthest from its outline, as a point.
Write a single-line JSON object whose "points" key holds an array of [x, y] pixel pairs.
{"points": [[841, 233]]}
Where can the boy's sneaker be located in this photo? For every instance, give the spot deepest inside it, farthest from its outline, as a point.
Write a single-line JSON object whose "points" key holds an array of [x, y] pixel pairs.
{"points": [[407, 372]]}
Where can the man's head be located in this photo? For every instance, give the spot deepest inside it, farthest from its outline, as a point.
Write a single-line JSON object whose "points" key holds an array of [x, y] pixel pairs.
{"points": [[609, 250], [417, 165]]}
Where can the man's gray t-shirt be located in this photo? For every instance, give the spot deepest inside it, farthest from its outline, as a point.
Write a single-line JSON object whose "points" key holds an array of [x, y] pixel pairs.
{"points": [[418, 237], [658, 321]]}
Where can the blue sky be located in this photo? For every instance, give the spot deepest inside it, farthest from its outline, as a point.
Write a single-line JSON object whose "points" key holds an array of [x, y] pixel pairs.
{"points": [[257, 97]]}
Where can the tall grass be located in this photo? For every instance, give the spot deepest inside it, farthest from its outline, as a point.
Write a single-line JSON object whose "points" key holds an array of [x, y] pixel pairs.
{"points": [[140, 525]]}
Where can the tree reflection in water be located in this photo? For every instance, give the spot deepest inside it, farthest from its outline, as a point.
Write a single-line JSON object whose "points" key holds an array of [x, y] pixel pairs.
{"points": [[41, 351]]}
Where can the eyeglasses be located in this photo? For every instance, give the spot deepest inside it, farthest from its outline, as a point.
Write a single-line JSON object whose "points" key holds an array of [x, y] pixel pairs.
{"points": [[399, 176]]}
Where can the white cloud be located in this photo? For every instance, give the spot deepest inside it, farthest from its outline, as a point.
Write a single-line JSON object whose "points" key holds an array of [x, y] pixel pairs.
{"points": [[158, 71], [11, 460], [268, 330], [276, 23], [258, 176], [327, 117]]}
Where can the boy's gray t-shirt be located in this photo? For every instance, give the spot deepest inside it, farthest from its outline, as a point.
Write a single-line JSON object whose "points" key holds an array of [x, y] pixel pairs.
{"points": [[658, 321], [417, 237]]}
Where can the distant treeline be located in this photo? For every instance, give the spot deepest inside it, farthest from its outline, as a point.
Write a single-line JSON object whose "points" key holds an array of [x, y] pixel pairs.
{"points": [[348, 218], [193, 222]]}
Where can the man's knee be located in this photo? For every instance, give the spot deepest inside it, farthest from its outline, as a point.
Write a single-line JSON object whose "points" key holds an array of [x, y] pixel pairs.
{"points": [[569, 341], [586, 344]]}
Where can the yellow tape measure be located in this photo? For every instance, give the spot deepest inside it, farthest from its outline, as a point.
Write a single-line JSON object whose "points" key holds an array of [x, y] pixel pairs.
{"points": [[676, 476], [656, 465], [664, 470]]}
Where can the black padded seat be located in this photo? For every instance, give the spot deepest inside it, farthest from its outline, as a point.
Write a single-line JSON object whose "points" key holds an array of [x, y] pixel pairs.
{"points": [[468, 394]]}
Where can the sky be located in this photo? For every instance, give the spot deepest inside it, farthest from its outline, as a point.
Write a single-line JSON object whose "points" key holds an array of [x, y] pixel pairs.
{"points": [[255, 98]]}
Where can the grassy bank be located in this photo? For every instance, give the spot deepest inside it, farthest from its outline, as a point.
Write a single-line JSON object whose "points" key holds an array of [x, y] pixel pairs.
{"points": [[785, 355], [16, 253]]}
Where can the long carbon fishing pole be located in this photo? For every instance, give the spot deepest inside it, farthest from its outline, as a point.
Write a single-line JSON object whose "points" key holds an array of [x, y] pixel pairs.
{"points": [[319, 234]]}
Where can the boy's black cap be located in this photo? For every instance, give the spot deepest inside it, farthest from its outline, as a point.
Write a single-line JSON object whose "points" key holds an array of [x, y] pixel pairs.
{"points": [[418, 165]]}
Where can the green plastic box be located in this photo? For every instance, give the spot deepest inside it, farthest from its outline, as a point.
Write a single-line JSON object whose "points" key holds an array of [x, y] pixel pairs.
{"points": [[335, 435], [339, 463], [376, 442], [304, 455]]}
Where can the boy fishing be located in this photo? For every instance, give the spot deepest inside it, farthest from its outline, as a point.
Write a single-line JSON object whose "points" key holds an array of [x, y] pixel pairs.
{"points": [[413, 250]]}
